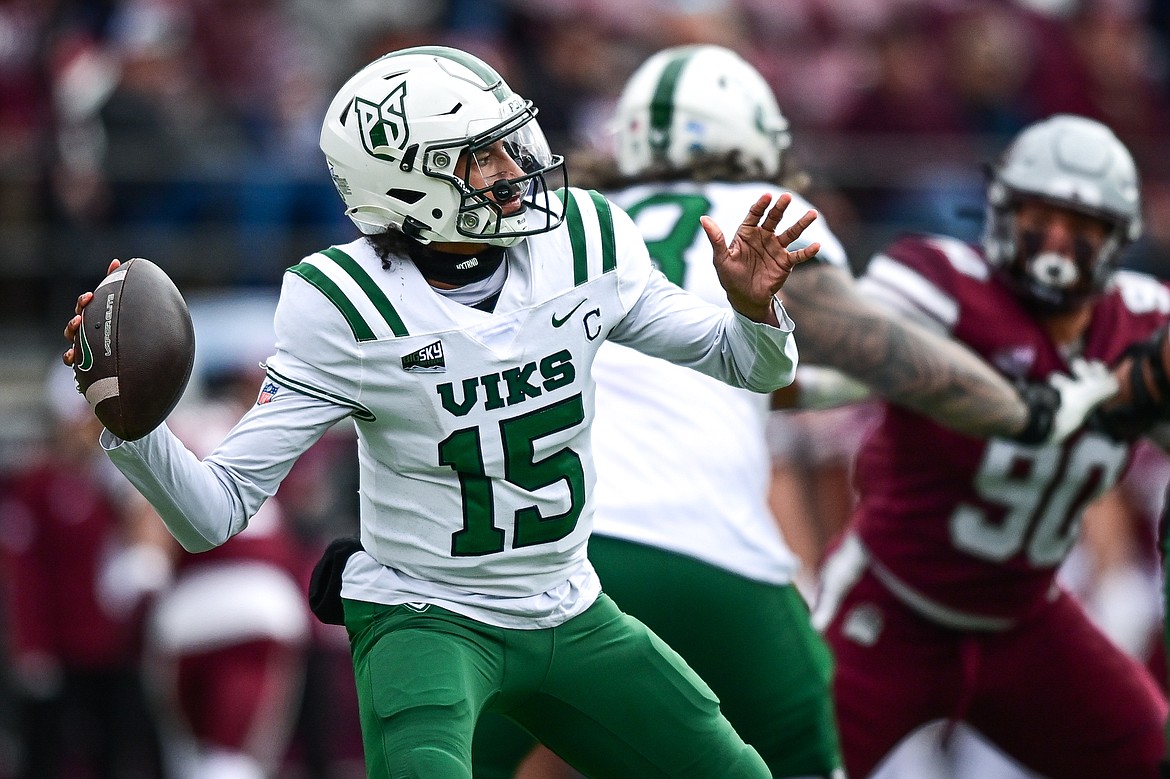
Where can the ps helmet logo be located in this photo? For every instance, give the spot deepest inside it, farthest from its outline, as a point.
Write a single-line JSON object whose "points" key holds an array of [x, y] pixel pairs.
{"points": [[383, 126]]}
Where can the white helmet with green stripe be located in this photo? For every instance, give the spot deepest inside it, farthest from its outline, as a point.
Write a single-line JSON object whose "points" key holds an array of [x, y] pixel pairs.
{"points": [[393, 136], [690, 102]]}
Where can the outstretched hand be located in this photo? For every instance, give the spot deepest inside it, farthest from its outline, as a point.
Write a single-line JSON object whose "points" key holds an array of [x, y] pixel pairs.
{"points": [[755, 265]]}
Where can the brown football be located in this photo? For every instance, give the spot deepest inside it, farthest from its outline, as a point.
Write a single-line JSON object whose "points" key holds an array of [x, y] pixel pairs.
{"points": [[135, 349]]}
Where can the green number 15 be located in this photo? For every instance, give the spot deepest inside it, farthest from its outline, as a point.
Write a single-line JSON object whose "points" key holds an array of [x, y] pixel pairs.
{"points": [[463, 452]]}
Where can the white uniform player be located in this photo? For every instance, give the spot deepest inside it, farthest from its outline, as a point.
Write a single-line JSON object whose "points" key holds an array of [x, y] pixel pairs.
{"points": [[459, 335], [703, 495], [684, 418], [473, 439], [684, 537]]}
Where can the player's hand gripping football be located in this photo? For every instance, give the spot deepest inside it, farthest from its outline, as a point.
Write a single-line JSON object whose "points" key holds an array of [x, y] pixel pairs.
{"points": [[73, 324], [755, 265]]}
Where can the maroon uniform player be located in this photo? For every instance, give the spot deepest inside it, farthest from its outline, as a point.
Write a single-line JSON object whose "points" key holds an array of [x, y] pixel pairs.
{"points": [[71, 638], [226, 641], [941, 603]]}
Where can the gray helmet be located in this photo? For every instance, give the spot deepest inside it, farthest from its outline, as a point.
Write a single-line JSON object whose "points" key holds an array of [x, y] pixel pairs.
{"points": [[1075, 163]]}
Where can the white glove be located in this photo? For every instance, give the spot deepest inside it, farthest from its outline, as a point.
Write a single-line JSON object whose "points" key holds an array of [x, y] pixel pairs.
{"points": [[1090, 385]]}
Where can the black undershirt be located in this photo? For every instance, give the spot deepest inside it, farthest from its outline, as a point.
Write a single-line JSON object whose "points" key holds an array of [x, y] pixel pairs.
{"points": [[458, 269]]}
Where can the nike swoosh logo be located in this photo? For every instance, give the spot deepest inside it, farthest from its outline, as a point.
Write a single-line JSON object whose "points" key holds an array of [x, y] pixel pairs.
{"points": [[557, 321], [84, 361]]}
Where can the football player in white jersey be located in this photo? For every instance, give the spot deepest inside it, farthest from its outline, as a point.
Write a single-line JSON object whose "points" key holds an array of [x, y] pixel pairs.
{"points": [[683, 535], [459, 333]]}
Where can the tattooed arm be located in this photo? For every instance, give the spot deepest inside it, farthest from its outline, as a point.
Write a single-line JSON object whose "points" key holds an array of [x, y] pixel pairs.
{"points": [[899, 359]]}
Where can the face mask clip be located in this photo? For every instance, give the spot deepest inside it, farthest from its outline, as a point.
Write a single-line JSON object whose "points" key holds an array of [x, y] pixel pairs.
{"points": [[504, 190]]}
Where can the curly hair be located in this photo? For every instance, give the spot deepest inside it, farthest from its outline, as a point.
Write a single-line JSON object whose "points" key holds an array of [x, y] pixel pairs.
{"points": [[392, 244], [592, 170]]}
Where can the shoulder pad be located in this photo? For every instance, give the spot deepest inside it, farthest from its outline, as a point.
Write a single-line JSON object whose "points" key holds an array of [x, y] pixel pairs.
{"points": [[353, 292], [589, 220]]}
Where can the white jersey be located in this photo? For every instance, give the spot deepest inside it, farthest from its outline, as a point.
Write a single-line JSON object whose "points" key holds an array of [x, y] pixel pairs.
{"points": [[682, 460], [473, 428]]}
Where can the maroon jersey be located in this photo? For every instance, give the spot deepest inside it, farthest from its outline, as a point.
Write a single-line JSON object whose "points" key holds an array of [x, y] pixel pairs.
{"points": [[57, 521], [978, 527]]}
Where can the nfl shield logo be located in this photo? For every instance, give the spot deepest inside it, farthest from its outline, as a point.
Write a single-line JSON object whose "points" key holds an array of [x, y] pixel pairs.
{"points": [[267, 393]]}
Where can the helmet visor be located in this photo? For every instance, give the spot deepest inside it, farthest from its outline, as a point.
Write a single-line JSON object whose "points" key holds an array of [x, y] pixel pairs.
{"points": [[508, 176]]}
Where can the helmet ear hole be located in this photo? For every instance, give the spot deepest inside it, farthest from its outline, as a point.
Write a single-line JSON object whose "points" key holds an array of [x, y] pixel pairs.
{"points": [[408, 196]]}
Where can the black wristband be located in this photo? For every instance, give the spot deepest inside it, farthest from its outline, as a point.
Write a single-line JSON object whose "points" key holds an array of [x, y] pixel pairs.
{"points": [[1158, 367], [1043, 402]]}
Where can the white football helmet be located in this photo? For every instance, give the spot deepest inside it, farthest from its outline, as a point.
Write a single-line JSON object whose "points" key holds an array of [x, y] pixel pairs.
{"points": [[1075, 163], [394, 134], [691, 101]]}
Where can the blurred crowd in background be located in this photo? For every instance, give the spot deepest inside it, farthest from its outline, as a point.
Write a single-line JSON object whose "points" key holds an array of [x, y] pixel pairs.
{"points": [[186, 131], [129, 126]]}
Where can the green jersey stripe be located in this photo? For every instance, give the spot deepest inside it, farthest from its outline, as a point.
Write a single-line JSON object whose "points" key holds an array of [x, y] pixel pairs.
{"points": [[376, 296], [576, 237], [605, 221], [359, 411], [316, 277]]}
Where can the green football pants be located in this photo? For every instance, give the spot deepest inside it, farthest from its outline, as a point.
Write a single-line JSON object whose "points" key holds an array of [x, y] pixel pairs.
{"points": [[751, 642], [600, 690]]}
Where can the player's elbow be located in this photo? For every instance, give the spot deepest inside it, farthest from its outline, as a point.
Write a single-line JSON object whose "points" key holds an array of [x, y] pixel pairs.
{"points": [[775, 368], [195, 547]]}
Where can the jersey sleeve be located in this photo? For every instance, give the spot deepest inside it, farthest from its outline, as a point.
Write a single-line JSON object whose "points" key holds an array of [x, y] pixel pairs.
{"points": [[918, 277], [319, 331], [205, 502], [672, 323], [676, 325], [313, 382]]}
